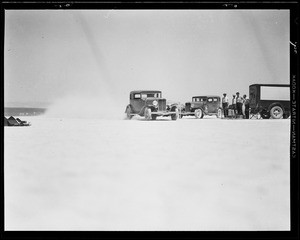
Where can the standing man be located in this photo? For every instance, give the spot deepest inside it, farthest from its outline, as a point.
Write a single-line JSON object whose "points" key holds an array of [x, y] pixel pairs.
{"points": [[225, 105], [239, 103], [247, 106]]}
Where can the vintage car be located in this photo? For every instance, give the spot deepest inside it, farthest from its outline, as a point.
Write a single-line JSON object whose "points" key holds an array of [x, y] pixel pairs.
{"points": [[149, 104], [202, 105]]}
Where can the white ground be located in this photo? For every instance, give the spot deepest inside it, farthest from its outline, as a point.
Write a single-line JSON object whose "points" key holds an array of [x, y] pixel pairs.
{"points": [[97, 174]]}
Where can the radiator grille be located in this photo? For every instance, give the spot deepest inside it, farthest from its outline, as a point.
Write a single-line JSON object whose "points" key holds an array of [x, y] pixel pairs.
{"points": [[162, 105]]}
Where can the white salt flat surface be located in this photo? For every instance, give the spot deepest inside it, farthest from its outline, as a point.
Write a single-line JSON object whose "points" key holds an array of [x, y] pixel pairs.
{"points": [[190, 174]]}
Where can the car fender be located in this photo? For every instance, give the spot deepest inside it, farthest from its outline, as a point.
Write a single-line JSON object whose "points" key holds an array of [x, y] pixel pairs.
{"points": [[173, 108], [128, 106]]}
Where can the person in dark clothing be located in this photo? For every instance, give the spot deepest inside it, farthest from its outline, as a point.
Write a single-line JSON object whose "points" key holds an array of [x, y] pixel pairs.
{"points": [[225, 105], [247, 106]]}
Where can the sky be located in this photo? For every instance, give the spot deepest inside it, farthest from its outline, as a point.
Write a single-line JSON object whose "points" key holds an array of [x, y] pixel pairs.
{"points": [[100, 55]]}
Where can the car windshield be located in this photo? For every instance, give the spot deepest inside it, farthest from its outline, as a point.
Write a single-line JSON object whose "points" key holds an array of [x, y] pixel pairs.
{"points": [[148, 95], [199, 99]]}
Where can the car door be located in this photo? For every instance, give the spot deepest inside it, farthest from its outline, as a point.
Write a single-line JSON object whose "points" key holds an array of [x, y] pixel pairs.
{"points": [[213, 104]]}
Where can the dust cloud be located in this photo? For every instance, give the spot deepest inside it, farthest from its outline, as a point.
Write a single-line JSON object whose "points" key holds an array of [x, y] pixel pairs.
{"points": [[102, 106]]}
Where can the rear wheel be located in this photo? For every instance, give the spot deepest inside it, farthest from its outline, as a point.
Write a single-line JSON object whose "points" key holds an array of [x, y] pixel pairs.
{"points": [[219, 114], [276, 112], [147, 113], [198, 113]]}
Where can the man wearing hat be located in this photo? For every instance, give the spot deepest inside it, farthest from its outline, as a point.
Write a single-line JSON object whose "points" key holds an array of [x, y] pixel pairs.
{"points": [[225, 105]]}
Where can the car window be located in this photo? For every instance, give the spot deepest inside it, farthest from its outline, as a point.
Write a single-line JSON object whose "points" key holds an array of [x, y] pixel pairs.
{"points": [[198, 99], [137, 95], [215, 99], [144, 96], [209, 99]]}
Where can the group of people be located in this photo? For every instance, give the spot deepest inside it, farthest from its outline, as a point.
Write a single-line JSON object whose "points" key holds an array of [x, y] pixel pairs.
{"points": [[239, 105]]}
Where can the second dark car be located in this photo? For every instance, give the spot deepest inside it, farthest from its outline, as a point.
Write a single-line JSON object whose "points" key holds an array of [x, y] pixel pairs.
{"points": [[202, 105]]}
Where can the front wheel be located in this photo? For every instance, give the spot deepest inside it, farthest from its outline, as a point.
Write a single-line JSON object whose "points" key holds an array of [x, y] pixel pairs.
{"points": [[128, 113], [276, 112], [176, 115], [147, 113], [198, 113]]}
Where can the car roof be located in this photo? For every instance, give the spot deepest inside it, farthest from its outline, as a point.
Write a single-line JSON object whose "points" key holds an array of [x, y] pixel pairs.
{"points": [[270, 85], [145, 91], [207, 96]]}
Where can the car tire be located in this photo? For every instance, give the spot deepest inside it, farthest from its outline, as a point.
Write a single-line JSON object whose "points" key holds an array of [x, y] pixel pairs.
{"points": [[128, 113], [198, 113], [175, 116], [153, 117], [147, 113], [219, 114], [276, 112]]}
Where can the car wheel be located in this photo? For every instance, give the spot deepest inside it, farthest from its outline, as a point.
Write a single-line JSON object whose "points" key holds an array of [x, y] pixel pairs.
{"points": [[147, 113], [219, 114], [176, 115], [128, 113], [198, 113], [276, 112]]}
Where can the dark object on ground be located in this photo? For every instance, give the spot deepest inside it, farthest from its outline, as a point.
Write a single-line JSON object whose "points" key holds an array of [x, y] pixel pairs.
{"points": [[6, 122], [11, 121]]}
